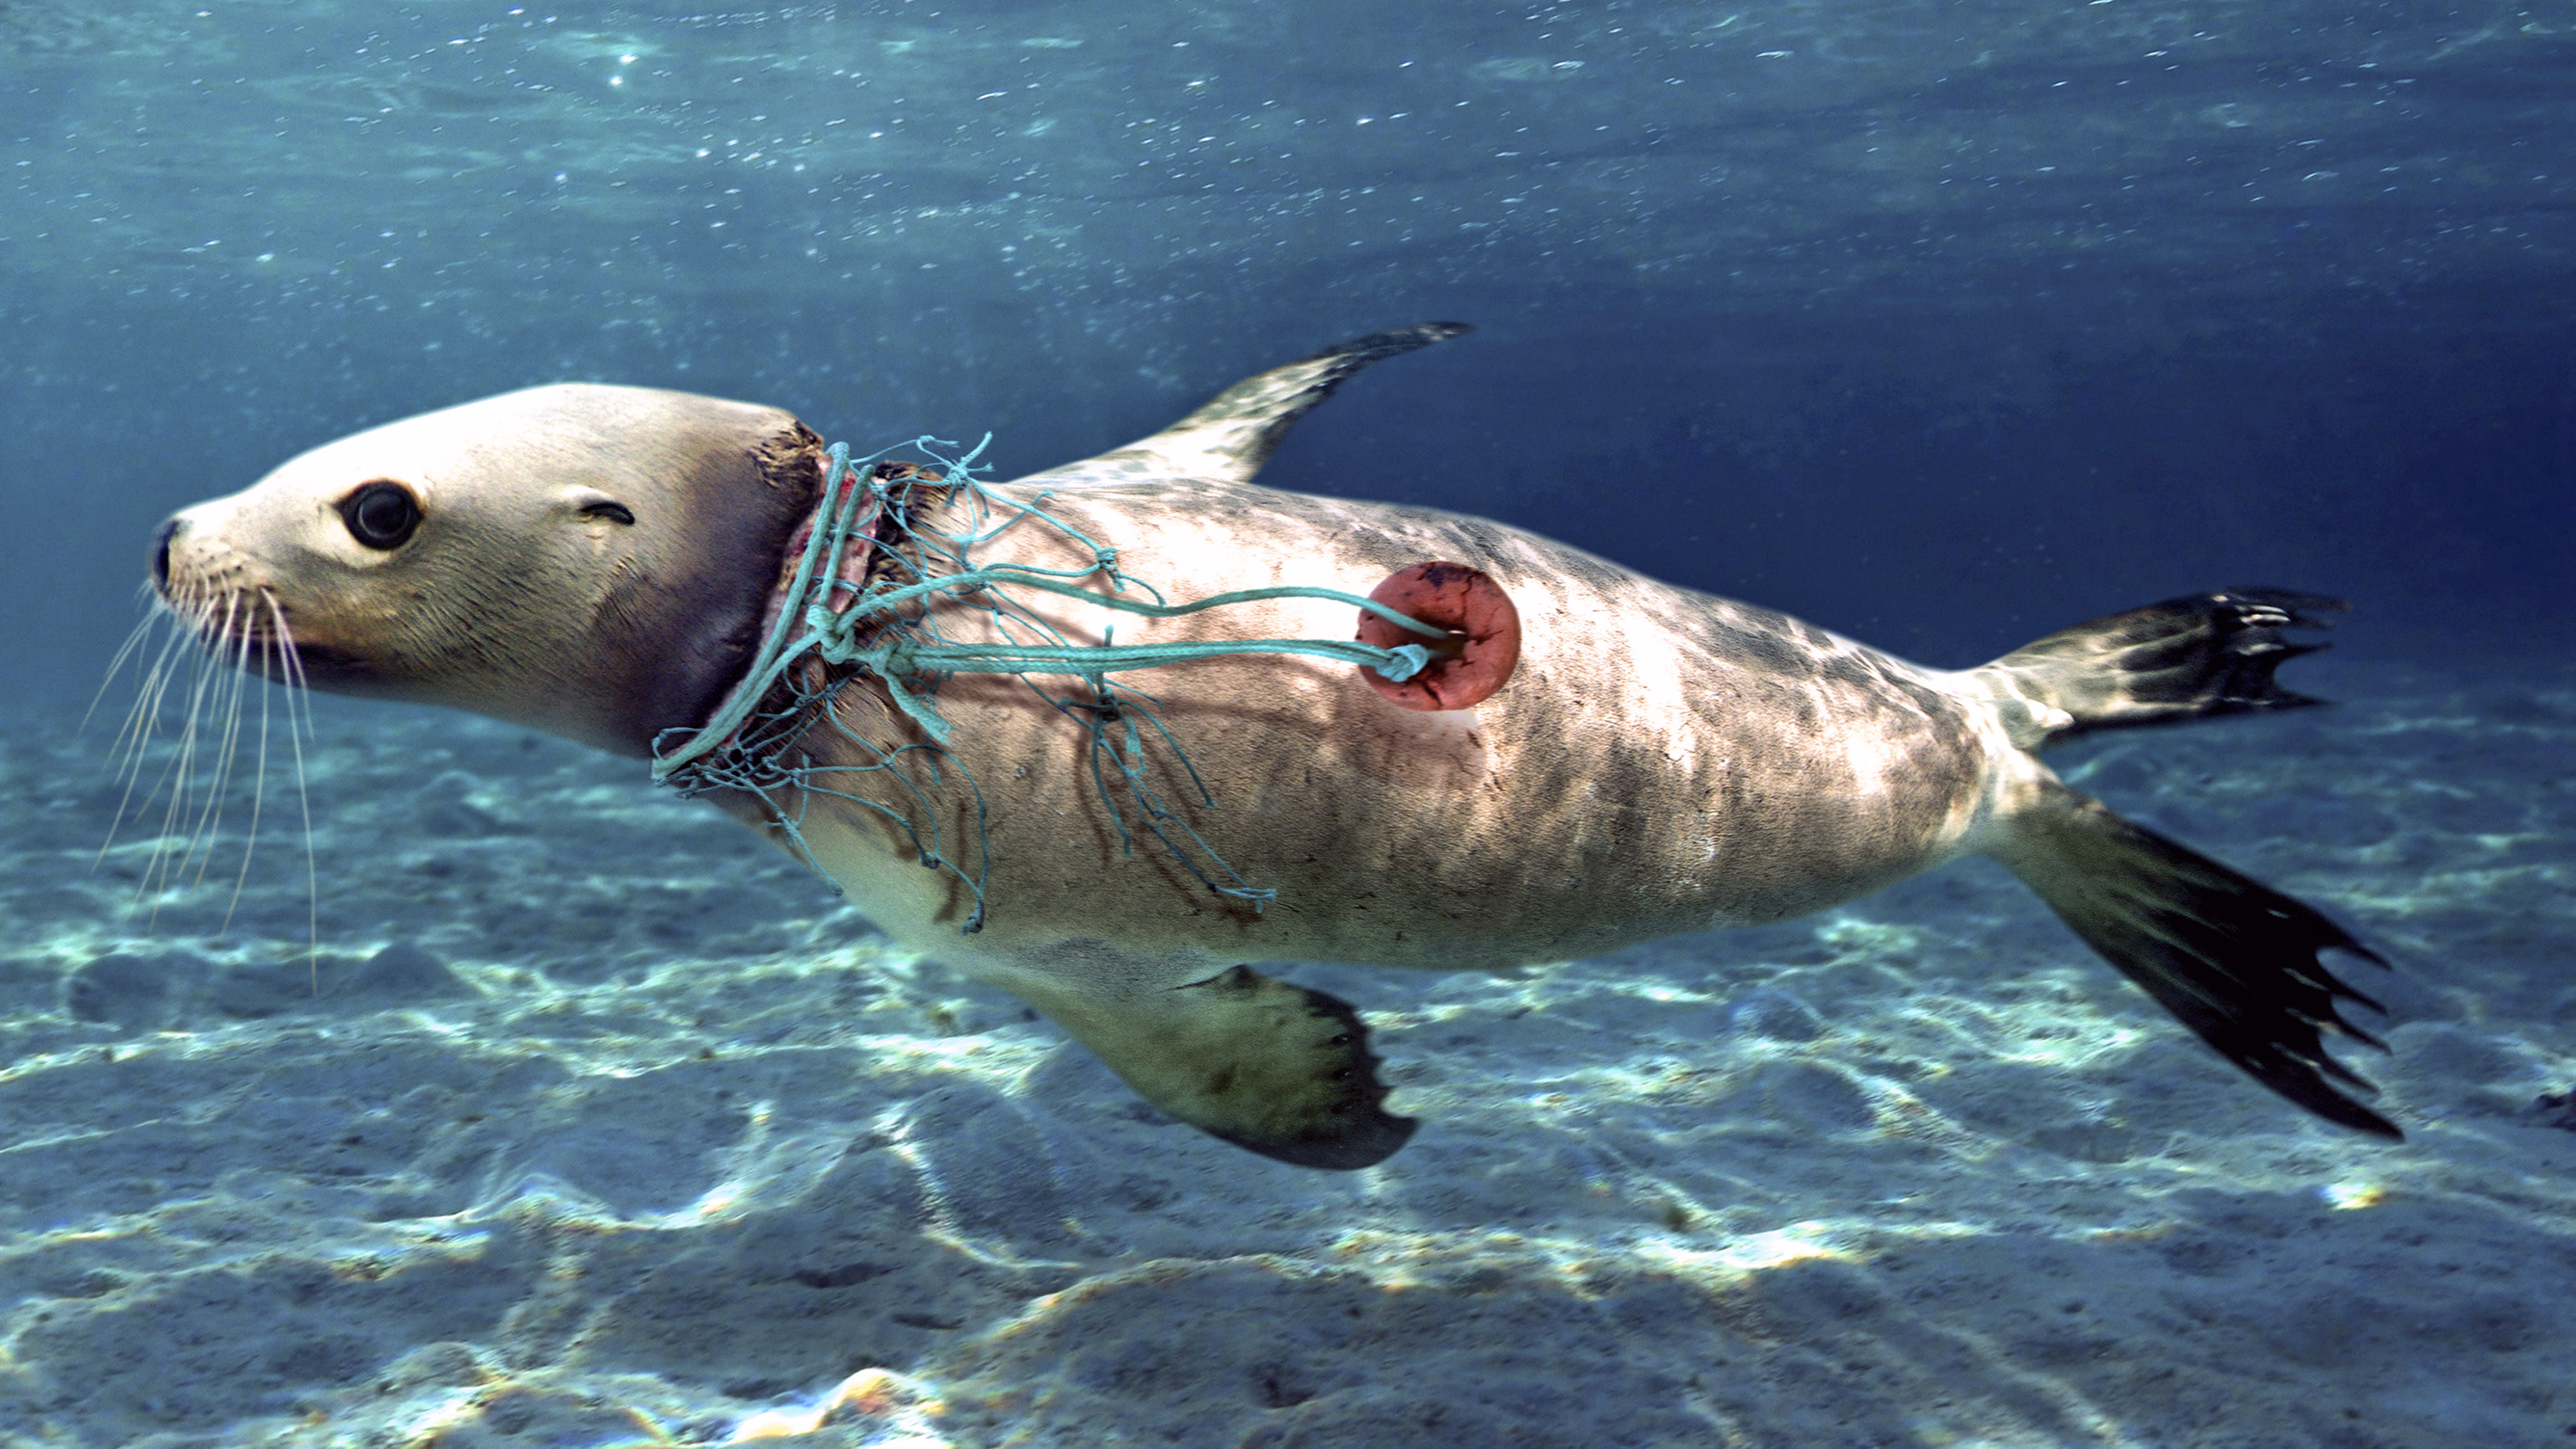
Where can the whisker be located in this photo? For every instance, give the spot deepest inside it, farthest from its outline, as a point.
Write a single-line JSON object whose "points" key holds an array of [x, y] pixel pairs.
{"points": [[142, 718], [147, 718], [258, 795], [240, 681], [203, 796], [136, 731], [178, 651], [210, 818], [297, 690], [177, 778], [116, 665], [181, 774]]}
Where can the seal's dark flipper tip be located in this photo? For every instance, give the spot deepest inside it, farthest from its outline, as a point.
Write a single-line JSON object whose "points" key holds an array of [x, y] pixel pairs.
{"points": [[2234, 959], [1287, 1072], [1359, 352], [2186, 658], [1228, 439], [1262, 1063]]}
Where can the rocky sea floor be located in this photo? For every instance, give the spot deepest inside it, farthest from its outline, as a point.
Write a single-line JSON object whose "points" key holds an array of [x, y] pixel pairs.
{"points": [[593, 1122]]}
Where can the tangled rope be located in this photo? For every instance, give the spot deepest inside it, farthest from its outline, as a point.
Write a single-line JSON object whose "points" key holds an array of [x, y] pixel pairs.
{"points": [[863, 595]]}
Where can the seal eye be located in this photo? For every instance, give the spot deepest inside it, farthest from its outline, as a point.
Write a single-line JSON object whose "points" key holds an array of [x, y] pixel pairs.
{"points": [[381, 515], [610, 510]]}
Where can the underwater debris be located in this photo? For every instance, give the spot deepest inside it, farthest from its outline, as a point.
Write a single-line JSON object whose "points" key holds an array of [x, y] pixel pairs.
{"points": [[863, 604]]}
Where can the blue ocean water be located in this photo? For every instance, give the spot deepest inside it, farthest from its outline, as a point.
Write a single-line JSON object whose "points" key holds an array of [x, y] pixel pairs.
{"points": [[548, 1109]]}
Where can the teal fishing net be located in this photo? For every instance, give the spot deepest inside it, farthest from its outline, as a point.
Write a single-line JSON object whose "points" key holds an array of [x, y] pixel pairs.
{"points": [[876, 596]]}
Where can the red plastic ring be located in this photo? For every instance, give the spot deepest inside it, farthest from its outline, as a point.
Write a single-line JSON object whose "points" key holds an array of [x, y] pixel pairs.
{"points": [[1486, 630]]}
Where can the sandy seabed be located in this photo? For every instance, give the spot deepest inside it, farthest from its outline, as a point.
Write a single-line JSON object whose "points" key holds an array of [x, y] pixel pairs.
{"points": [[596, 1123]]}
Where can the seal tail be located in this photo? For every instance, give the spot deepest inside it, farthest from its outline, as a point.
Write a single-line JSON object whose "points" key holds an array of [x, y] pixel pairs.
{"points": [[2186, 658], [2234, 959]]}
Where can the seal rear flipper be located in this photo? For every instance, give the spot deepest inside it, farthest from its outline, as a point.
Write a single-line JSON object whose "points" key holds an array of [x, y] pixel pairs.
{"points": [[1230, 436], [2234, 959], [2181, 659], [1262, 1063]]}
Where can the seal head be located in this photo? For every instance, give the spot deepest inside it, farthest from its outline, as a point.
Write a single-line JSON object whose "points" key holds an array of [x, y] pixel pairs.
{"points": [[588, 560]]}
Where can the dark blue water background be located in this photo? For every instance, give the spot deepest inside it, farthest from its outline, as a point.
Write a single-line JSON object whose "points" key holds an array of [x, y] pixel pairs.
{"points": [[1943, 325]]}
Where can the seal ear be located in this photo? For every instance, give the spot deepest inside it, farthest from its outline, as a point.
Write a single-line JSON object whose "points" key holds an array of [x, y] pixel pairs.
{"points": [[590, 503], [1266, 1065]]}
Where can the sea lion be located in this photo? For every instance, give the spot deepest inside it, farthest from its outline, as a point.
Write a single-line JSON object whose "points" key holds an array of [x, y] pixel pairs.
{"points": [[606, 562]]}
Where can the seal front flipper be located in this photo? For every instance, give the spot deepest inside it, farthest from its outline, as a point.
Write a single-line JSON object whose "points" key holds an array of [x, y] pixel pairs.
{"points": [[2230, 956], [1262, 1063]]}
